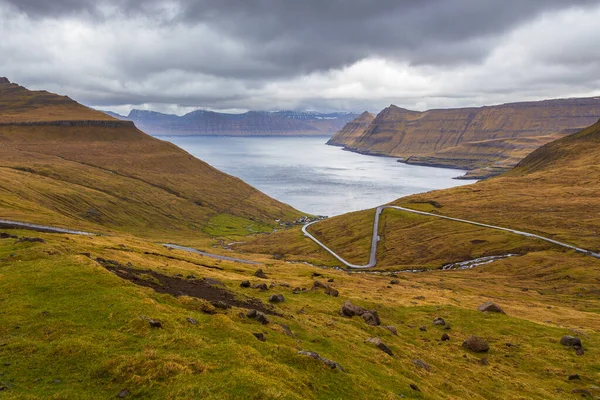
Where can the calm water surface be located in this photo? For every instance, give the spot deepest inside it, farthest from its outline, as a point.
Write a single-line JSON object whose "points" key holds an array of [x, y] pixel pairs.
{"points": [[313, 177]]}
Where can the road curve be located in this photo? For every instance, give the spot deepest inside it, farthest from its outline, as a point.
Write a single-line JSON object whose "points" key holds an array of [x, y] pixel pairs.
{"points": [[375, 237], [202, 253]]}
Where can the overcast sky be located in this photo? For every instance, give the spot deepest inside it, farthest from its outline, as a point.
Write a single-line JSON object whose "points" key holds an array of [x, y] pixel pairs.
{"points": [[326, 55]]}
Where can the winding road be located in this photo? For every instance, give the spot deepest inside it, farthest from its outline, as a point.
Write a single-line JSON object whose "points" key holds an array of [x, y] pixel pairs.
{"points": [[375, 238], [51, 229]]}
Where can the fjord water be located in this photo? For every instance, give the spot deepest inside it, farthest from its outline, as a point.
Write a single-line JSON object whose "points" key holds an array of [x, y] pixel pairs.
{"points": [[313, 177]]}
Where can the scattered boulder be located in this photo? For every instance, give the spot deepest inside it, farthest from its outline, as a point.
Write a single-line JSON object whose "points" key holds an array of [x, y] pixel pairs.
{"points": [[260, 336], [392, 329], [423, 328], [331, 364], [192, 321], [445, 337], [123, 393], [439, 321], [414, 387], [286, 330], [484, 361], [276, 298], [422, 364], [4, 235], [260, 273], [245, 284], [332, 292], [371, 318], [579, 351], [319, 285], [490, 307], [394, 282], [574, 377], [476, 344], [220, 304], [261, 286], [259, 316], [350, 310], [380, 345], [330, 280], [571, 341]]}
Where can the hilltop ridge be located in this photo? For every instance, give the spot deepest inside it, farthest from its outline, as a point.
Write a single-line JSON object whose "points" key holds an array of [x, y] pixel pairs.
{"points": [[63, 163], [486, 141], [251, 123]]}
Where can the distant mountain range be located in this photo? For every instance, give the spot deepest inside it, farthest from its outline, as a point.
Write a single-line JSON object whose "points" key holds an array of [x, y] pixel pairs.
{"points": [[252, 123], [486, 140]]}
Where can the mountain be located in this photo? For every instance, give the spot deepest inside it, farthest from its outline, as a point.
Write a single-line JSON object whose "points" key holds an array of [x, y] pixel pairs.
{"points": [[352, 129], [486, 140], [252, 123], [63, 163]]}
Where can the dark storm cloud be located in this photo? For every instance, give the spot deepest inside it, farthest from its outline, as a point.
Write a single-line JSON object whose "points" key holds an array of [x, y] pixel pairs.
{"points": [[283, 37], [329, 54]]}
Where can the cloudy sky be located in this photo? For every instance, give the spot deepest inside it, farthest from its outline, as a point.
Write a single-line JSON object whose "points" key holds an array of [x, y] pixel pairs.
{"points": [[327, 55]]}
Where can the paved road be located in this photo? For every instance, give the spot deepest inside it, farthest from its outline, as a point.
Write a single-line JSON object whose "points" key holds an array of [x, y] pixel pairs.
{"points": [[375, 237], [51, 229], [218, 257], [40, 228]]}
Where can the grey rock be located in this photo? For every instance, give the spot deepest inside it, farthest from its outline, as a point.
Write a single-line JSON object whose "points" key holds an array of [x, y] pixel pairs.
{"points": [[286, 330], [332, 292], [423, 328], [422, 364], [260, 273], [220, 304], [192, 321], [123, 393], [259, 316], [371, 318], [380, 345], [439, 321], [261, 286], [414, 387], [445, 337], [490, 307], [394, 282], [276, 298], [574, 377], [570, 341], [350, 310], [245, 284], [476, 344], [484, 361], [331, 364], [392, 329]]}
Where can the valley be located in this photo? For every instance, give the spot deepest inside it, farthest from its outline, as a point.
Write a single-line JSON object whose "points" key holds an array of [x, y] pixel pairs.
{"points": [[194, 284]]}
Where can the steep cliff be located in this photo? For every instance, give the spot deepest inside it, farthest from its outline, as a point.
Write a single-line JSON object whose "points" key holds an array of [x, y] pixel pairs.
{"points": [[352, 129], [487, 139], [252, 123]]}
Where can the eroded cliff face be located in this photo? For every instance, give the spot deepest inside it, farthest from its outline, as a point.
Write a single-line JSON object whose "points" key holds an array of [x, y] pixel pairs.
{"points": [[489, 140], [352, 129]]}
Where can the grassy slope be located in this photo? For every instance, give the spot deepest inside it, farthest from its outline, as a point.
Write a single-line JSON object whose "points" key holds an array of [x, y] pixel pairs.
{"points": [[71, 329], [118, 178], [76, 332]]}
